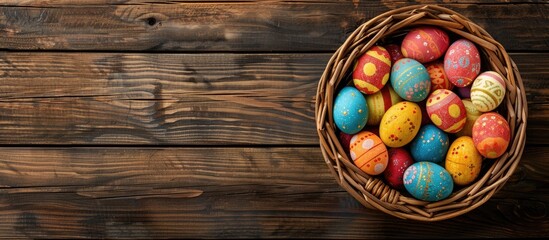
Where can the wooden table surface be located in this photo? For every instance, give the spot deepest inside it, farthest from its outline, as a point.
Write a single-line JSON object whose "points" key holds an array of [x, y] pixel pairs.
{"points": [[195, 119]]}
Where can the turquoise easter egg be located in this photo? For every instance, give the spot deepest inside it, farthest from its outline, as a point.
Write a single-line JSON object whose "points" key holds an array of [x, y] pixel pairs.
{"points": [[428, 181], [430, 144], [410, 80], [350, 110]]}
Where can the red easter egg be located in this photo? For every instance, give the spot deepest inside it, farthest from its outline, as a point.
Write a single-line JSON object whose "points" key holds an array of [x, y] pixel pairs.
{"points": [[371, 71], [446, 110], [491, 134], [369, 153], [425, 44], [439, 80], [399, 161], [462, 62], [394, 52]]}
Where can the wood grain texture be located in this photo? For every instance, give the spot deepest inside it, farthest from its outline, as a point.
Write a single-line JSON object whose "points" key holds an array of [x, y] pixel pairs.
{"points": [[228, 193], [189, 99], [262, 26]]}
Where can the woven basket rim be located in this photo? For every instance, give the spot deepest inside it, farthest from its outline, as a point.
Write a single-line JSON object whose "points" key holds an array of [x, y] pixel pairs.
{"points": [[371, 191]]}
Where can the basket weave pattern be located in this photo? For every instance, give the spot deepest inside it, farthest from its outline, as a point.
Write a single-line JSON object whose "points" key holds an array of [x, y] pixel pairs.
{"points": [[371, 191]]}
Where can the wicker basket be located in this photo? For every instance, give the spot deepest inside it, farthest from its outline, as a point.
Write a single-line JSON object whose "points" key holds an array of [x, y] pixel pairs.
{"points": [[371, 191]]}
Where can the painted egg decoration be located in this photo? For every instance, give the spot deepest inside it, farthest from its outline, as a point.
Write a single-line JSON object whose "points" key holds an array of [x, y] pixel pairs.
{"points": [[350, 111], [488, 91], [372, 69], [463, 161], [399, 161], [472, 115], [369, 153], [425, 43], [410, 80], [394, 52], [400, 124], [439, 80], [462, 62], [491, 135], [446, 111], [424, 115], [431, 144], [428, 181], [379, 103]]}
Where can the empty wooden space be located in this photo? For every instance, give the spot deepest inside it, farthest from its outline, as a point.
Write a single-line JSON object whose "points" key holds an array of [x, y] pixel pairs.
{"points": [[195, 119]]}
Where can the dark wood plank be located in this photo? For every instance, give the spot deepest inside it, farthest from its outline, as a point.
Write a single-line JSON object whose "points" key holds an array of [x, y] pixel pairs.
{"points": [[104, 98], [239, 26], [229, 193]]}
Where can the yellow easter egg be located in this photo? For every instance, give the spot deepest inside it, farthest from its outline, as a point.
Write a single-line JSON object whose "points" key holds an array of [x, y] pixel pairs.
{"points": [[472, 114], [400, 124], [463, 161]]}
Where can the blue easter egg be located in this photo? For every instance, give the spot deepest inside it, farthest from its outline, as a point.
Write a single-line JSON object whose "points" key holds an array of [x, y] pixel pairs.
{"points": [[428, 181], [410, 80], [430, 144], [350, 110]]}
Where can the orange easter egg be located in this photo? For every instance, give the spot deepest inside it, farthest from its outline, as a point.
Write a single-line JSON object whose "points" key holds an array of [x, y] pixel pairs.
{"points": [[371, 71], [439, 80], [369, 153], [463, 161], [491, 134]]}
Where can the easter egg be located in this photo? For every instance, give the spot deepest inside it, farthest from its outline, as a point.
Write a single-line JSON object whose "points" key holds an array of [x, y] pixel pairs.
{"points": [[399, 161], [472, 115], [410, 80], [379, 103], [438, 76], [400, 124], [369, 153], [488, 91], [372, 69], [462, 62], [463, 161], [428, 181], [446, 111], [394, 52], [491, 135], [350, 110], [463, 92], [430, 144], [425, 43]]}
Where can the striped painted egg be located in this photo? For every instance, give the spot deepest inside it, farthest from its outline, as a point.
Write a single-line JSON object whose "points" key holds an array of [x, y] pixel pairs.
{"points": [[491, 135], [428, 181], [425, 43], [446, 110], [372, 69], [379, 103], [369, 153], [410, 80], [472, 115], [350, 111], [463, 161], [462, 62], [400, 124], [439, 80], [488, 91]]}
